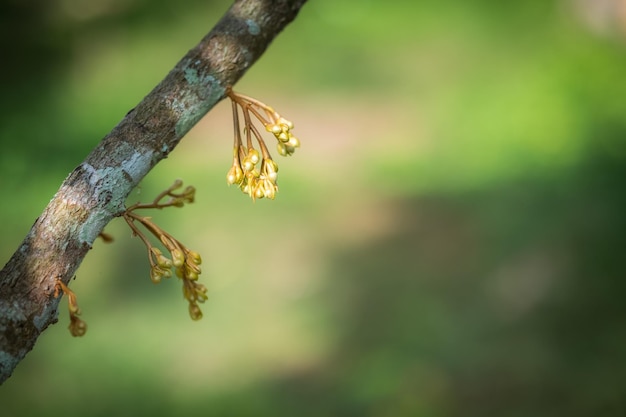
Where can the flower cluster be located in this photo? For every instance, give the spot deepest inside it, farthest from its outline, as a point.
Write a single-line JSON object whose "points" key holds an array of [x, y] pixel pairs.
{"points": [[186, 263], [258, 181], [77, 326]]}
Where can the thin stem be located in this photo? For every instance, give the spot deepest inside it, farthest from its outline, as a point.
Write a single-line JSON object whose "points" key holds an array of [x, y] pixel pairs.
{"points": [[243, 97], [137, 232], [130, 217], [264, 150], [145, 221], [248, 124], [156, 202], [248, 103], [242, 152], [173, 243], [236, 124], [258, 115]]}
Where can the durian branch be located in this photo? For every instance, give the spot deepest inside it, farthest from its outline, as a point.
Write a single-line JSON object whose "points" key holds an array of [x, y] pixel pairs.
{"points": [[95, 192]]}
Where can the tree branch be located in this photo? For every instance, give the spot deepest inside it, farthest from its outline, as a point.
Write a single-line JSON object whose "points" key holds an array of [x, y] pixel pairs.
{"points": [[95, 192]]}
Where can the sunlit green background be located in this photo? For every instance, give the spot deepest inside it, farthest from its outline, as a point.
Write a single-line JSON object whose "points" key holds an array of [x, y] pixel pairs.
{"points": [[449, 240]]}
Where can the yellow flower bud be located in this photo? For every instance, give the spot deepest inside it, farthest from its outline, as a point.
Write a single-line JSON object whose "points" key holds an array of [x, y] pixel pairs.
{"points": [[194, 311], [180, 273], [270, 169], [269, 190], [194, 257], [270, 165], [191, 275], [259, 191], [155, 274], [201, 291], [289, 149], [178, 258], [275, 129], [294, 142], [286, 123], [164, 262], [247, 165], [282, 150], [254, 156], [235, 175]]}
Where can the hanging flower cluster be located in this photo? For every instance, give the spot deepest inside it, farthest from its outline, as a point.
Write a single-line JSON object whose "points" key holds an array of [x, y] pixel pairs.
{"points": [[256, 173], [185, 262], [77, 326]]}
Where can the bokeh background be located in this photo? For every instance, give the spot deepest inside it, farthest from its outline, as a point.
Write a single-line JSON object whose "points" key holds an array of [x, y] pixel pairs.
{"points": [[448, 241]]}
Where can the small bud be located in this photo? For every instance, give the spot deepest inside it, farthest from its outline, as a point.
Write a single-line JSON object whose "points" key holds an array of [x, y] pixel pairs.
{"points": [[194, 257], [180, 273], [270, 190], [259, 192], [254, 156], [201, 290], [270, 165], [155, 275], [77, 326], [177, 184], [294, 142], [164, 262], [190, 194], [289, 149], [194, 311], [235, 175], [284, 122], [191, 275], [270, 169], [282, 150], [178, 258], [275, 129], [247, 165]]}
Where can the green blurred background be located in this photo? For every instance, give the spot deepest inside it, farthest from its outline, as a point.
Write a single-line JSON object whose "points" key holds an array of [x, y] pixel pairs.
{"points": [[449, 240]]}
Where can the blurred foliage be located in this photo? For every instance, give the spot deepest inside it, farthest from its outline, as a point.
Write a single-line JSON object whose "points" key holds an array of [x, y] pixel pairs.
{"points": [[448, 241]]}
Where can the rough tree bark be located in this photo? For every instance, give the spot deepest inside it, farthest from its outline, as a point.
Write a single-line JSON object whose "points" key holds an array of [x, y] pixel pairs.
{"points": [[95, 192]]}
